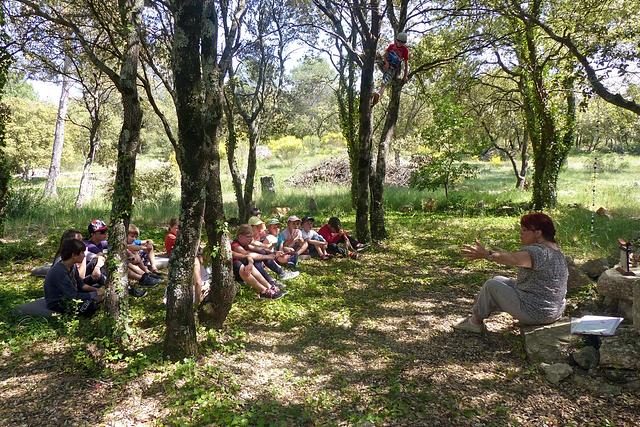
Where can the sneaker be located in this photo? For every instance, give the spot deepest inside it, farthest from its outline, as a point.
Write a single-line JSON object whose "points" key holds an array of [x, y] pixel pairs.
{"points": [[271, 293], [279, 284], [353, 255], [466, 325], [147, 281], [376, 98], [286, 275], [136, 292], [304, 257], [277, 288], [362, 247], [156, 276]]}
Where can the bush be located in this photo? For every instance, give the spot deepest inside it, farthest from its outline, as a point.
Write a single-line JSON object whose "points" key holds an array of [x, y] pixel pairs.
{"points": [[154, 185], [22, 203]]}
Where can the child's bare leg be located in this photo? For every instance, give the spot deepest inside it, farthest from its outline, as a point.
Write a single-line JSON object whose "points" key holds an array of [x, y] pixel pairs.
{"points": [[197, 280], [246, 273], [302, 248], [134, 272], [152, 260]]}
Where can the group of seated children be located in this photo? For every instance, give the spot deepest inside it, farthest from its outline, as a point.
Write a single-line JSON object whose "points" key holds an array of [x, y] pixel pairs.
{"points": [[259, 244], [78, 269]]}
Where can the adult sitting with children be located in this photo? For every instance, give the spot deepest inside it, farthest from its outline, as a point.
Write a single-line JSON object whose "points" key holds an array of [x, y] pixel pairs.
{"points": [[537, 296]]}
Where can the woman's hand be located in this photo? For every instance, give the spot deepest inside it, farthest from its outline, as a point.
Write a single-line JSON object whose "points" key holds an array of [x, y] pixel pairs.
{"points": [[474, 252]]}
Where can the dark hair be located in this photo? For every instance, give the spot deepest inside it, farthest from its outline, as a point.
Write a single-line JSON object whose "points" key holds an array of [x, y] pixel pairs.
{"points": [[542, 222], [255, 212], [69, 234], [71, 247], [173, 221], [334, 222]]}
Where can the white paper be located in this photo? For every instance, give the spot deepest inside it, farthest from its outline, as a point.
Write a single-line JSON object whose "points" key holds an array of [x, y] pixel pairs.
{"points": [[595, 325]]}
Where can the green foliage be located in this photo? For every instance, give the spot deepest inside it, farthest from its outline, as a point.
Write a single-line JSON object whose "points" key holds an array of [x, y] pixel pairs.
{"points": [[17, 86], [448, 144], [154, 185], [22, 203], [286, 148]]}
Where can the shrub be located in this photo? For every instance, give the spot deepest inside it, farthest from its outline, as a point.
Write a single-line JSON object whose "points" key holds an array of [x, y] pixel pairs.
{"points": [[155, 185], [23, 203]]}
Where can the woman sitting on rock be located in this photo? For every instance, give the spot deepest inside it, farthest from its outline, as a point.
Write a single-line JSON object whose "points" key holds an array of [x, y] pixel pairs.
{"points": [[537, 296]]}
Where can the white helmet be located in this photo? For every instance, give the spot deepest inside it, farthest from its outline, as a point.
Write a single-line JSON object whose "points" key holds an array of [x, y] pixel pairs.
{"points": [[402, 37]]}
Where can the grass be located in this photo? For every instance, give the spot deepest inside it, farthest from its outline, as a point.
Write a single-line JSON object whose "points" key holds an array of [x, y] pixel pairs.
{"points": [[352, 342]]}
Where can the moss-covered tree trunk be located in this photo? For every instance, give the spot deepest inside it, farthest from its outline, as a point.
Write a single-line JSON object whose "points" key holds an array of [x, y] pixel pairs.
{"points": [[128, 142], [193, 154], [216, 306], [378, 229], [544, 122]]}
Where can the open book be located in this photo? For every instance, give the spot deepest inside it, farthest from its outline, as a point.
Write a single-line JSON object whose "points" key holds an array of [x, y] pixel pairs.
{"points": [[595, 325]]}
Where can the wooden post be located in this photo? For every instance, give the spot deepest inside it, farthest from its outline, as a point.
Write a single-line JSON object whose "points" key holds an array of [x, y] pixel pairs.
{"points": [[268, 185]]}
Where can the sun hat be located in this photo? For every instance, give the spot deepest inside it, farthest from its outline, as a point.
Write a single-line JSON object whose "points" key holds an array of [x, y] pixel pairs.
{"points": [[254, 220], [273, 221], [307, 218], [402, 37], [293, 218]]}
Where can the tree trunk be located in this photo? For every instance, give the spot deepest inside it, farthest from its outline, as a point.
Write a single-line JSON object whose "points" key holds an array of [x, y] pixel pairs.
{"points": [[215, 307], [94, 145], [193, 154], [232, 144], [5, 173], [51, 187], [128, 141], [117, 302], [254, 136], [378, 229]]}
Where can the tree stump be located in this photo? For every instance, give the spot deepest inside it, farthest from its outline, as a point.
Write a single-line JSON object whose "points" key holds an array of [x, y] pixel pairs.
{"points": [[268, 186]]}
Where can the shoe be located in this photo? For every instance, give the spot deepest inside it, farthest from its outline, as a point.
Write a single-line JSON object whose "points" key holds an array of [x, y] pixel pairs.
{"points": [[325, 257], [136, 292], [147, 281], [286, 275], [466, 325], [361, 247], [156, 276], [271, 293], [376, 98], [353, 255], [304, 257], [279, 284]]}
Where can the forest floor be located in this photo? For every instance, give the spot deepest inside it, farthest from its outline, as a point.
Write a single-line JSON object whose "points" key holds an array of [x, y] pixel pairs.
{"points": [[366, 342]]}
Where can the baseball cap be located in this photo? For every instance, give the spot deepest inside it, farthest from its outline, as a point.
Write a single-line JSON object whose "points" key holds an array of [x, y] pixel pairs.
{"points": [[293, 218], [254, 220], [97, 225], [273, 221], [307, 218]]}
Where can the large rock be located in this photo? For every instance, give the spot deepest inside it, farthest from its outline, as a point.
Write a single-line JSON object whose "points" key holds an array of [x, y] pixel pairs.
{"points": [[557, 372], [595, 267], [577, 278], [587, 357], [550, 343], [614, 285], [621, 351]]}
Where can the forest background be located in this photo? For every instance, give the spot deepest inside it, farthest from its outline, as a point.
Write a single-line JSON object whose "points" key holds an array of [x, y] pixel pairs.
{"points": [[197, 87]]}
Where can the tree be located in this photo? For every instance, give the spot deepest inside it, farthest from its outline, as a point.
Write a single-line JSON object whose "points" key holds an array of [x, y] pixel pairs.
{"points": [[50, 188], [448, 143], [104, 30], [256, 87], [5, 175], [310, 101]]}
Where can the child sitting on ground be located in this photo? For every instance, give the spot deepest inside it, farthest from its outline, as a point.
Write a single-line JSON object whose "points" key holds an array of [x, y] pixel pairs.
{"points": [[290, 240], [333, 233], [271, 239], [244, 269], [271, 254], [201, 275], [317, 244], [62, 284], [144, 249]]}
